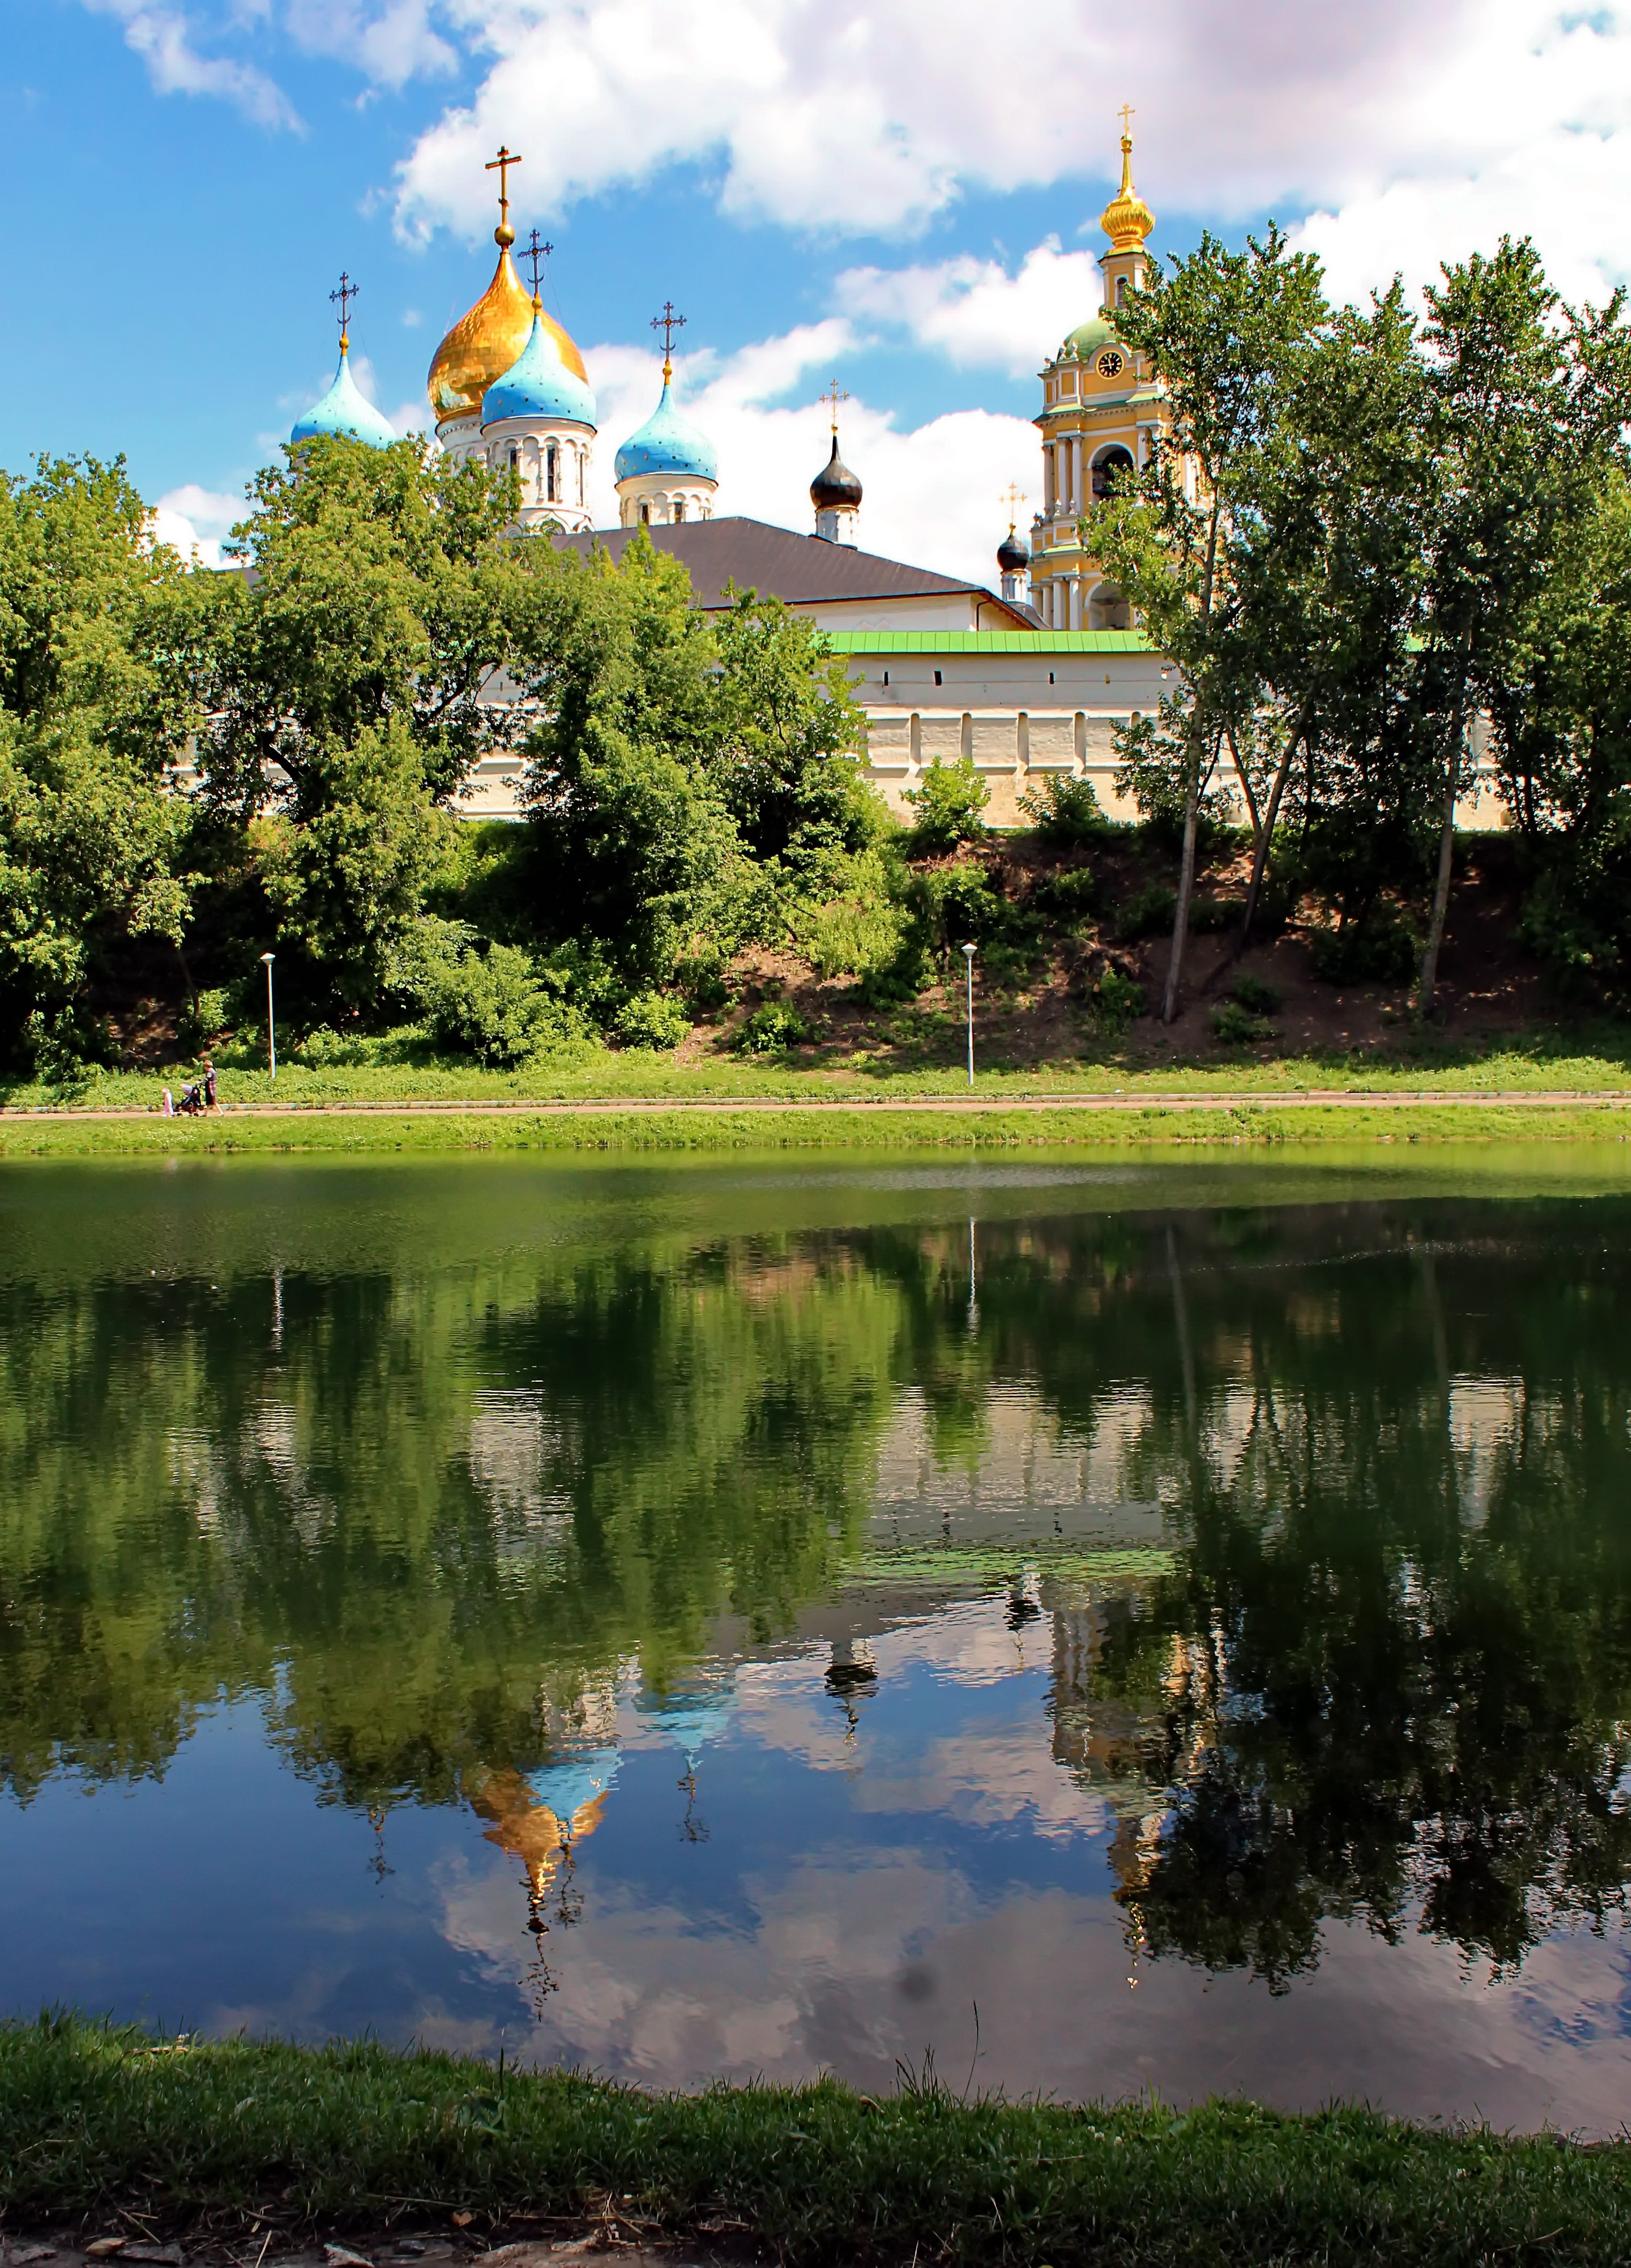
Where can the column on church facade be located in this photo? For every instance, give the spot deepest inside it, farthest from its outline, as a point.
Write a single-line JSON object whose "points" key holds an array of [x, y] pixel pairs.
{"points": [[1047, 480], [1076, 602], [1075, 473]]}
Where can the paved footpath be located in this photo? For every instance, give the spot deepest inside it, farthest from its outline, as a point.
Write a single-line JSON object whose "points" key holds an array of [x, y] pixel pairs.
{"points": [[1293, 1099]]}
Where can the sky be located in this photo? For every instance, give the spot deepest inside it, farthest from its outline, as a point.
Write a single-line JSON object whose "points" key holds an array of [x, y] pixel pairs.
{"points": [[902, 195]]}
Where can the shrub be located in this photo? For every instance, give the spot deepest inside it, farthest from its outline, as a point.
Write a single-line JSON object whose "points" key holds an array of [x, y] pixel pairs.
{"points": [[1238, 1026], [863, 926], [484, 1001], [1114, 1001], [702, 977], [948, 802], [1148, 914], [774, 1027], [1381, 950], [1254, 994], [206, 1017], [652, 1020], [1209, 915], [1066, 896], [1065, 812]]}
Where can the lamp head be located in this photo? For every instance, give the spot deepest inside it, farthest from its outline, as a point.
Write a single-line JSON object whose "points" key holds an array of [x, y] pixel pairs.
{"points": [[971, 950], [267, 958]]}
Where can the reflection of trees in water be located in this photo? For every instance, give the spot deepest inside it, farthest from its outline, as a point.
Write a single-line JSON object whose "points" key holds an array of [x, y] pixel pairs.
{"points": [[423, 1517]]}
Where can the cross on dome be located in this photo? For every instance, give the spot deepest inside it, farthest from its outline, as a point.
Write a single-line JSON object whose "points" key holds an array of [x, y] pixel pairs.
{"points": [[535, 255], [503, 233], [346, 293], [667, 323]]}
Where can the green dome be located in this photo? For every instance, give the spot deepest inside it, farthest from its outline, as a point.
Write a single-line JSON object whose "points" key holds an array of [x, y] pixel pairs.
{"points": [[1088, 338]]}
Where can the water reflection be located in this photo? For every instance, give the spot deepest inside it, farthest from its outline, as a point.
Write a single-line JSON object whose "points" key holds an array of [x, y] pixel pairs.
{"points": [[1249, 1588]]}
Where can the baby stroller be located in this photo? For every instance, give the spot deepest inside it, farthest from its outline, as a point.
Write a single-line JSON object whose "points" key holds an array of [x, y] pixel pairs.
{"points": [[190, 1102]]}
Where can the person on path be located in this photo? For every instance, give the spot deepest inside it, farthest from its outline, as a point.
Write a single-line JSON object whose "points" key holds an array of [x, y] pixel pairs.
{"points": [[209, 1086], [168, 1104]]}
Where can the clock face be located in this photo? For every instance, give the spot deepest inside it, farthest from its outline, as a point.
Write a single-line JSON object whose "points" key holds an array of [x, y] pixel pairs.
{"points": [[1109, 364]]}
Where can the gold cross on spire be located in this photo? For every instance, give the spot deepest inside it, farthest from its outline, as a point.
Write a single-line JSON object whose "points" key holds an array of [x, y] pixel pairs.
{"points": [[667, 323], [346, 293], [504, 234], [1015, 497], [833, 395], [1128, 114]]}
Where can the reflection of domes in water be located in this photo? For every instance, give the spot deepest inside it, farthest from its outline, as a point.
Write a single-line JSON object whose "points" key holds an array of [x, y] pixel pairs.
{"points": [[571, 1786], [694, 1716], [835, 488], [489, 341]]}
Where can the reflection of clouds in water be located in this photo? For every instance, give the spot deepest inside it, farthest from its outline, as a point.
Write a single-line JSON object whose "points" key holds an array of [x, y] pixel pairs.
{"points": [[847, 1965]]}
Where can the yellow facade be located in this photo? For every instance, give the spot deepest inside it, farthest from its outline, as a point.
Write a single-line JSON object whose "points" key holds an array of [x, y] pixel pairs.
{"points": [[1100, 408]]}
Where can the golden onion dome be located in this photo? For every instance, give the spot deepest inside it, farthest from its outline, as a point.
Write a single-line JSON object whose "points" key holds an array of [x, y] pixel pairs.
{"points": [[1127, 219], [483, 345]]}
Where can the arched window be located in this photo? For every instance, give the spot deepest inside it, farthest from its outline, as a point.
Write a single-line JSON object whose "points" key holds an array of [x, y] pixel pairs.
{"points": [[552, 471], [1108, 609], [1121, 290], [1109, 463], [645, 514], [679, 509], [578, 454]]}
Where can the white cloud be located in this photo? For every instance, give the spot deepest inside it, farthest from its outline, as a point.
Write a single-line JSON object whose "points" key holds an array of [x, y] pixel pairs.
{"points": [[196, 521], [974, 312], [164, 39], [932, 491]]}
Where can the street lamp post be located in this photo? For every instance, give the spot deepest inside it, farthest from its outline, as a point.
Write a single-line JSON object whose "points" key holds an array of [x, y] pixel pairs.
{"points": [[272, 1027], [969, 953]]}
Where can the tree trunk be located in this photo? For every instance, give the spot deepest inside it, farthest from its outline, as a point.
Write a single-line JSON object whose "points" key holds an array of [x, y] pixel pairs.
{"points": [[1187, 885], [1265, 833], [1446, 852]]}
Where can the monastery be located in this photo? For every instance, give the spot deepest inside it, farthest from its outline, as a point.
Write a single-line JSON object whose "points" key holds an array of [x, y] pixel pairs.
{"points": [[1030, 678]]}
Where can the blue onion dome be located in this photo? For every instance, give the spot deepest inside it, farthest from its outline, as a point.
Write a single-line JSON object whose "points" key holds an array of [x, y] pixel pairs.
{"points": [[1012, 554], [835, 488], [539, 384], [668, 443], [344, 410]]}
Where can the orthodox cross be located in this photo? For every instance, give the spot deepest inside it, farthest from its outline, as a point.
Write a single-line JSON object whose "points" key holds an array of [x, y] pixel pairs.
{"points": [[1128, 114], [535, 254], [834, 396], [667, 323], [501, 166], [1015, 497], [346, 293]]}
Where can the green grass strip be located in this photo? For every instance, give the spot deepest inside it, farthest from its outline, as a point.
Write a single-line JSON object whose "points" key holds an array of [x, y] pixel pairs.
{"points": [[823, 1127], [100, 2121]]}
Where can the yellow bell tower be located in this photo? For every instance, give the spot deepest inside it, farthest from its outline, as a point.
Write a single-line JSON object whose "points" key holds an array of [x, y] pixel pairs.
{"points": [[1100, 408]]}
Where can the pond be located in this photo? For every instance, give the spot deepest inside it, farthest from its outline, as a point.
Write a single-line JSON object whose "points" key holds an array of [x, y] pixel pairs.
{"points": [[1096, 1627]]}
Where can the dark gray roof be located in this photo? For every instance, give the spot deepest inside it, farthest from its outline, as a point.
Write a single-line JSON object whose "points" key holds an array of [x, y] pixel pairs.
{"points": [[802, 569]]}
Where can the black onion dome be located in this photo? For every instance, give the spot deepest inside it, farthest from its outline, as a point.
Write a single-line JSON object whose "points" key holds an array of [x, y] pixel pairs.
{"points": [[1012, 554], [835, 488]]}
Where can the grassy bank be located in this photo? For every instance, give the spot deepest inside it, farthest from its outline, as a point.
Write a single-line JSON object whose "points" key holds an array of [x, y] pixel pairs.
{"points": [[825, 1127], [101, 2125]]}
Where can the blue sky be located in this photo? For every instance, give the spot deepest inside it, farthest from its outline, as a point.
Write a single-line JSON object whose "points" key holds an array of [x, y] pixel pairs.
{"points": [[904, 194]]}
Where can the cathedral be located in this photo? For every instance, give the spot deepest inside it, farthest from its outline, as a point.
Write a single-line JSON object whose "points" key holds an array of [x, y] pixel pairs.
{"points": [[1028, 679]]}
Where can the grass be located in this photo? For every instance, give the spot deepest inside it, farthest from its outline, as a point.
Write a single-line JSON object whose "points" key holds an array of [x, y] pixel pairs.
{"points": [[828, 1127], [117, 2128]]}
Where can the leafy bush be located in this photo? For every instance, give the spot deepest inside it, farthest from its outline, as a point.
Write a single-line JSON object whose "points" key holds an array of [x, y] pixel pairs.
{"points": [[1067, 896], [1114, 1001], [652, 1020], [206, 1015], [864, 926], [1381, 950], [1578, 919], [1065, 812], [1256, 995], [948, 803], [484, 1001], [1148, 914], [774, 1027], [1237, 1025]]}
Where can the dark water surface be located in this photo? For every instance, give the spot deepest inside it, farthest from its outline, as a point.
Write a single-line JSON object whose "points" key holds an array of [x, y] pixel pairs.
{"points": [[741, 1617]]}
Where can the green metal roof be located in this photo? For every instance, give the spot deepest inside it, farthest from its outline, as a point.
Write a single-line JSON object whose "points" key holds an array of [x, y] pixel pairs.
{"points": [[989, 641]]}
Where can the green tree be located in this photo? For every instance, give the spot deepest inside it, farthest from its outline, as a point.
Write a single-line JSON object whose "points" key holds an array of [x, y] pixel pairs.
{"points": [[1527, 402], [1224, 335], [101, 630], [355, 661]]}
